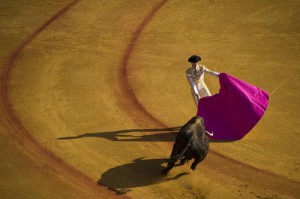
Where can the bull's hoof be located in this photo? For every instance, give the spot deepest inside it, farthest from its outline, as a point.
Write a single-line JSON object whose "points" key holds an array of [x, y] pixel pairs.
{"points": [[193, 168], [165, 171], [183, 161]]}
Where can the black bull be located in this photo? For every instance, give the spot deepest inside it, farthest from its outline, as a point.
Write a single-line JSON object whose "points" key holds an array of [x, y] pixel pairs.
{"points": [[191, 142]]}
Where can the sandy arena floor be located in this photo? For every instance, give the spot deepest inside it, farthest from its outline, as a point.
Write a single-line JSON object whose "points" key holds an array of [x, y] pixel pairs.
{"points": [[93, 92]]}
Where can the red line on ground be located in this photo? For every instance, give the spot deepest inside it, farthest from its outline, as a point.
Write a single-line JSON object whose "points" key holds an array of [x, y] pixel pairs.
{"points": [[29, 142], [127, 54]]}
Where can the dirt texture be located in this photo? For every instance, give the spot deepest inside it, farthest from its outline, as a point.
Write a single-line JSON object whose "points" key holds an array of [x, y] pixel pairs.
{"points": [[93, 93]]}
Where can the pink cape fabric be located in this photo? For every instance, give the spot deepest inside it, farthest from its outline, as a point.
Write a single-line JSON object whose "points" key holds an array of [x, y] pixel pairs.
{"points": [[235, 110]]}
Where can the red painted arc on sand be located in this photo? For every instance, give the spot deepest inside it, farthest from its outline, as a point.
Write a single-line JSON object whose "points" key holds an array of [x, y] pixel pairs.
{"points": [[127, 55], [25, 137]]}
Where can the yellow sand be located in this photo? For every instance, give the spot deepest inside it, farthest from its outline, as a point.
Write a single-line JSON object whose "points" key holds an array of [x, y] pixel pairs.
{"points": [[70, 89]]}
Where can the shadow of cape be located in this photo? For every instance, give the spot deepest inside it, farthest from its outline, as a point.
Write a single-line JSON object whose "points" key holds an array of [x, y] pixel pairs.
{"points": [[140, 172]]}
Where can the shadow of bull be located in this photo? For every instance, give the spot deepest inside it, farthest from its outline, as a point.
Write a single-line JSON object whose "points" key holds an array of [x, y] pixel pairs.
{"points": [[140, 172]]}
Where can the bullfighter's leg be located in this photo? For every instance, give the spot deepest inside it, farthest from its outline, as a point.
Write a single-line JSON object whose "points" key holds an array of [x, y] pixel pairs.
{"points": [[204, 91]]}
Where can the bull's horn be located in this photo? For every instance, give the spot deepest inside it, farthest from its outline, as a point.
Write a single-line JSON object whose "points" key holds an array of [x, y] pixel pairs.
{"points": [[210, 134]]}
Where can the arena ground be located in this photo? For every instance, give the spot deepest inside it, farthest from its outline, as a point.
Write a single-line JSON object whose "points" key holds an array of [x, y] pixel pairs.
{"points": [[93, 93]]}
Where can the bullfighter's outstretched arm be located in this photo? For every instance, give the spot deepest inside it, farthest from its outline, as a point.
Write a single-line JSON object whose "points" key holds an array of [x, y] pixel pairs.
{"points": [[210, 72]]}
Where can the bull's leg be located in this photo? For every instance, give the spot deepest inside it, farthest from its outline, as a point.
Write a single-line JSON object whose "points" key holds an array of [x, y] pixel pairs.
{"points": [[170, 165], [183, 161], [172, 160], [186, 158], [195, 163], [197, 160]]}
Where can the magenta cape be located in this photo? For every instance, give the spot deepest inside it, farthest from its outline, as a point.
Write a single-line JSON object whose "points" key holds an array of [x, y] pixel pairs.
{"points": [[235, 110]]}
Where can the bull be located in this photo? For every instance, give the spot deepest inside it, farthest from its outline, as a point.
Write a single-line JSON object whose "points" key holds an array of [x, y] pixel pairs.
{"points": [[191, 142]]}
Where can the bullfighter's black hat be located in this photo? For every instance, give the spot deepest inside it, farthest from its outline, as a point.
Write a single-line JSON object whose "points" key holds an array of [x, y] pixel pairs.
{"points": [[194, 58]]}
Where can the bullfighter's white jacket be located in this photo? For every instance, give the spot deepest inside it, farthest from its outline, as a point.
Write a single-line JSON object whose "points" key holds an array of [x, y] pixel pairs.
{"points": [[196, 79]]}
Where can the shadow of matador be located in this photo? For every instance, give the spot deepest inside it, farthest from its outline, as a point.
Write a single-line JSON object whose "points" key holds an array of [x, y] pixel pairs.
{"points": [[123, 135]]}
